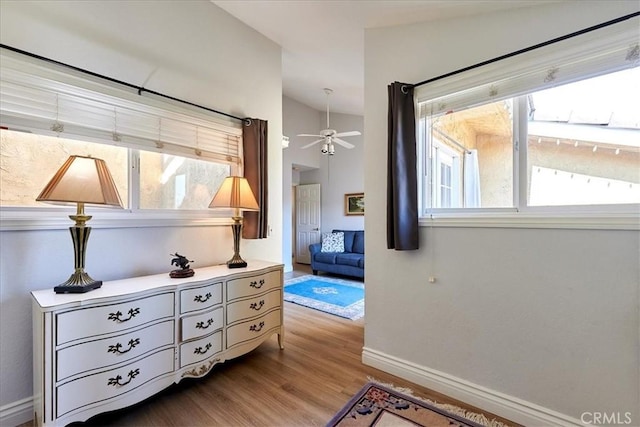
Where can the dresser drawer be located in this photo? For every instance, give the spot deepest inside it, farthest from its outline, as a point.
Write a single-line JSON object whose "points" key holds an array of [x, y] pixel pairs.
{"points": [[105, 385], [198, 350], [110, 351], [255, 328], [249, 286], [98, 320], [199, 298], [252, 307], [201, 324]]}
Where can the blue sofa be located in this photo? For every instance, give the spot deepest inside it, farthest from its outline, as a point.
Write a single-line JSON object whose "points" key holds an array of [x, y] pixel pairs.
{"points": [[347, 263]]}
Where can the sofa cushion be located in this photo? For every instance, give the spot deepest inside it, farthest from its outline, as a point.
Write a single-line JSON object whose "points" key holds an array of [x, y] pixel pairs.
{"points": [[358, 243], [333, 242], [325, 257], [348, 259], [361, 262], [348, 239]]}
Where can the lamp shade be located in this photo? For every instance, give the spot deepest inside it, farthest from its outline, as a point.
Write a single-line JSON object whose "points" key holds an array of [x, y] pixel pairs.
{"points": [[236, 193], [82, 180]]}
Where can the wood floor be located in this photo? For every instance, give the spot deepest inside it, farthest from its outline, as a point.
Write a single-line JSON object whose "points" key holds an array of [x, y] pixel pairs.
{"points": [[303, 385]]}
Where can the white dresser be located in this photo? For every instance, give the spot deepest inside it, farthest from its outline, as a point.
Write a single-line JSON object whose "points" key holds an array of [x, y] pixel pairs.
{"points": [[117, 345]]}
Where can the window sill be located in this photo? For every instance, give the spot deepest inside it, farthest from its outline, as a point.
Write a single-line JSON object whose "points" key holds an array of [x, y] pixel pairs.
{"points": [[58, 219], [580, 221]]}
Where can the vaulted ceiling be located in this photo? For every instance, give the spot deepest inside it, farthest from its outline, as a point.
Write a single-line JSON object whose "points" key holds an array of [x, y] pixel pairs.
{"points": [[323, 41]]}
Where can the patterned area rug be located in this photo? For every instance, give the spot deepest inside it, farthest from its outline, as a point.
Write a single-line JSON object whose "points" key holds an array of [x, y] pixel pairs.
{"points": [[381, 406], [344, 298]]}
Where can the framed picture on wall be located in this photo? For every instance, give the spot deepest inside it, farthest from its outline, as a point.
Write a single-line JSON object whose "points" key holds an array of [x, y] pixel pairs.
{"points": [[354, 204]]}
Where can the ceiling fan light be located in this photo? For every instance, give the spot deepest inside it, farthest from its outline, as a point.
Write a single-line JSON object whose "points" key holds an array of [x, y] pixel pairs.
{"points": [[329, 136]]}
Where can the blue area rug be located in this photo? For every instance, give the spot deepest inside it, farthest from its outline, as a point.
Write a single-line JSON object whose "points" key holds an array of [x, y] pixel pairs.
{"points": [[344, 298]]}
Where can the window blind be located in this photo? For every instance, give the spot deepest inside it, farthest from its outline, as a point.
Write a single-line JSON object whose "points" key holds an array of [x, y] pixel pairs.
{"points": [[47, 101], [588, 55]]}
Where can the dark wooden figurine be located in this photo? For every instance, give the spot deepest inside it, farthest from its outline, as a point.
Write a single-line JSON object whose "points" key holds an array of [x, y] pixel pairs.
{"points": [[183, 263]]}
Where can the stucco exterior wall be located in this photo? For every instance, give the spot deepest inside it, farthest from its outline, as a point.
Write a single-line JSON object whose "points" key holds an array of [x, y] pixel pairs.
{"points": [[495, 159]]}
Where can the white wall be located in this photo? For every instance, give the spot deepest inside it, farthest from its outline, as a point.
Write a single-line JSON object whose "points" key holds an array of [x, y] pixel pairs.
{"points": [[340, 174], [539, 325], [191, 50], [299, 118]]}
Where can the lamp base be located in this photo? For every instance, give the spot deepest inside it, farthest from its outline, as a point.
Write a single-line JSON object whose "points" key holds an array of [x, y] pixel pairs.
{"points": [[78, 283], [77, 289], [236, 263]]}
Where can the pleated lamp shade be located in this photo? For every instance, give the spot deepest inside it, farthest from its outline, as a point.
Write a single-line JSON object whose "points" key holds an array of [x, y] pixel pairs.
{"points": [[235, 193], [82, 180]]}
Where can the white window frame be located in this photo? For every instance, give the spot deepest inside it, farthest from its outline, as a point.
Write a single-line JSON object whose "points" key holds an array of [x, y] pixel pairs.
{"points": [[441, 154], [606, 50], [28, 73]]}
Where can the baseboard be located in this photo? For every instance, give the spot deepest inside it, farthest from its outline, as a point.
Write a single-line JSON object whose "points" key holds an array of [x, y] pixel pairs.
{"points": [[16, 413], [512, 408]]}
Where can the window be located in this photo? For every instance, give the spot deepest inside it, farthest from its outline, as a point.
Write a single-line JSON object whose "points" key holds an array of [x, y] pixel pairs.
{"points": [[558, 130], [469, 153], [583, 142], [583, 148], [174, 182], [28, 161], [165, 159]]}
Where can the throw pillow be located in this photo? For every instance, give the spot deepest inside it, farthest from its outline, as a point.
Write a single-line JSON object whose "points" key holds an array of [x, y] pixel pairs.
{"points": [[333, 242]]}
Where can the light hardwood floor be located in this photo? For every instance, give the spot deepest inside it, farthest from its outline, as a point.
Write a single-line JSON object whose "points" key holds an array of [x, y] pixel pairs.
{"points": [[303, 385]]}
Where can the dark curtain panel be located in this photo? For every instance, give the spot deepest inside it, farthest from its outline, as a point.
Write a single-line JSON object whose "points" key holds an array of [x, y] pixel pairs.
{"points": [[254, 136], [402, 180]]}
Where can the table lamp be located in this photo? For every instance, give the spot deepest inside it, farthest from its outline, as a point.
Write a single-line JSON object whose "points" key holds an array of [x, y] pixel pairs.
{"points": [[235, 193], [81, 180]]}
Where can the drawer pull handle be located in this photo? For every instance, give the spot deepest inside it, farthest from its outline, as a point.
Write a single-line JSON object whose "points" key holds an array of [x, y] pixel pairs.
{"points": [[116, 381], [203, 325], [257, 305], [256, 284], [116, 348], [199, 350], [116, 316], [257, 328], [199, 298]]}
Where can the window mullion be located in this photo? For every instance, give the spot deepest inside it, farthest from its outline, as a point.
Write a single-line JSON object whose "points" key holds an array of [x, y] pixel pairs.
{"points": [[134, 180], [422, 166], [523, 162], [520, 168]]}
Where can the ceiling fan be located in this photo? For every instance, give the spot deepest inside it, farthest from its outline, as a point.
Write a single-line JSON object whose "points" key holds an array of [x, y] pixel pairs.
{"points": [[330, 136]]}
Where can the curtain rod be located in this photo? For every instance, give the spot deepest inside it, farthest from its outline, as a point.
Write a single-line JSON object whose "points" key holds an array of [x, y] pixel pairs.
{"points": [[530, 48], [140, 89]]}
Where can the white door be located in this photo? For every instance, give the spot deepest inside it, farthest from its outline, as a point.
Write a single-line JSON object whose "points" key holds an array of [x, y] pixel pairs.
{"points": [[307, 220]]}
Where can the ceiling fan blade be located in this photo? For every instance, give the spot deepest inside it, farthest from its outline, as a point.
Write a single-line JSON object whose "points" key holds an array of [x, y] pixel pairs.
{"points": [[312, 143], [351, 133], [345, 144], [308, 134]]}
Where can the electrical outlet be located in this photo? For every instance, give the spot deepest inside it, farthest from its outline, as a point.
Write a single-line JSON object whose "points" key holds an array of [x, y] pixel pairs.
{"points": [[432, 279]]}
